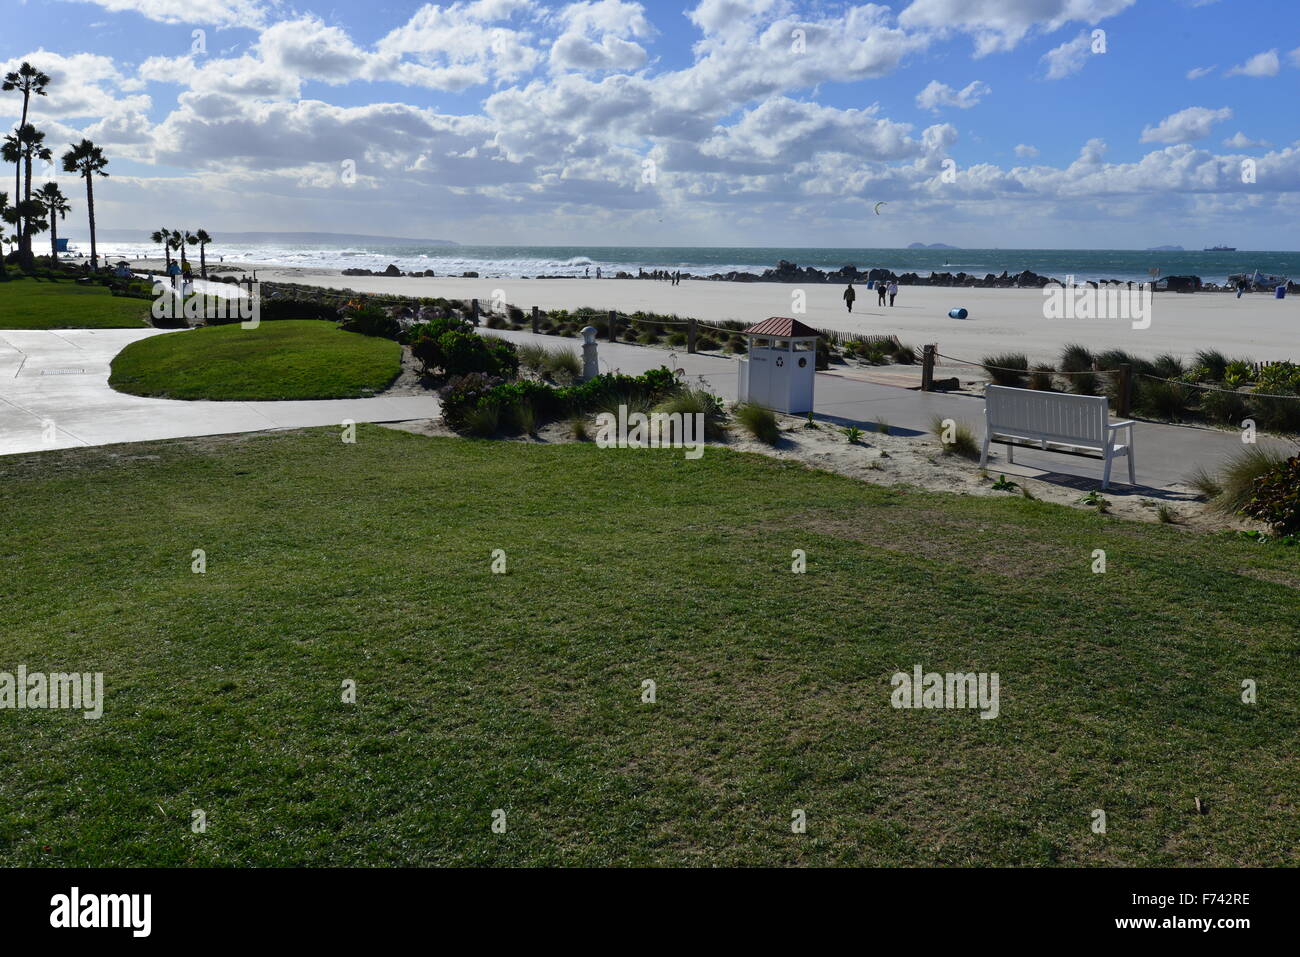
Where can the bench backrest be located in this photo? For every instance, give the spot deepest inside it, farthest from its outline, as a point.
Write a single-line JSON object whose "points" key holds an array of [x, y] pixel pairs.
{"points": [[1047, 413]]}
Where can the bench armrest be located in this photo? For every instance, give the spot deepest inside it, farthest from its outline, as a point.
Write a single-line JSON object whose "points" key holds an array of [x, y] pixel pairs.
{"points": [[1119, 425]]}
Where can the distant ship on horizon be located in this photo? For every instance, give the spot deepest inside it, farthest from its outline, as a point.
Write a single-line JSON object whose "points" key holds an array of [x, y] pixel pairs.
{"points": [[1220, 249]]}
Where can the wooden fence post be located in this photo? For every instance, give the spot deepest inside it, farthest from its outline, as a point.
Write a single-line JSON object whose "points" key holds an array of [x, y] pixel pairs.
{"points": [[690, 336], [473, 310], [613, 325], [1125, 390], [534, 320], [927, 367]]}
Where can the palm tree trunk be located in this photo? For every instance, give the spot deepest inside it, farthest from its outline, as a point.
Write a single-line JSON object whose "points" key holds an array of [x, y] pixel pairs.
{"points": [[25, 252], [54, 237], [90, 208], [203, 260], [18, 166]]}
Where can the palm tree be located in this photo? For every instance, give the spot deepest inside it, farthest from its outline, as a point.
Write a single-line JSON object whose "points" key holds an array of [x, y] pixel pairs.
{"points": [[26, 80], [163, 237], [56, 205], [203, 240], [190, 240], [4, 218], [179, 239], [34, 147], [87, 160], [21, 147]]}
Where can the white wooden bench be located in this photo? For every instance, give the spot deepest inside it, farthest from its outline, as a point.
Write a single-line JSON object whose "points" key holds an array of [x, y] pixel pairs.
{"points": [[1054, 418]]}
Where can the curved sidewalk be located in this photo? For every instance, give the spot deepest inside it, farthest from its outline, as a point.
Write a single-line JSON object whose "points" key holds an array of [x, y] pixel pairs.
{"points": [[54, 393]]}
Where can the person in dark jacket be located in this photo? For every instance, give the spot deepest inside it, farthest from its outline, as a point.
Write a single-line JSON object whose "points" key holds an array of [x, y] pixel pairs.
{"points": [[849, 296]]}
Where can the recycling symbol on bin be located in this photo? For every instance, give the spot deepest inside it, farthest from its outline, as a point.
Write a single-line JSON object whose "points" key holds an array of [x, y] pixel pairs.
{"points": [[780, 361]]}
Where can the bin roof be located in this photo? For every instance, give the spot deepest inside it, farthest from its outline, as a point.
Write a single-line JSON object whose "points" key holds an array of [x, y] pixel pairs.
{"points": [[783, 327]]}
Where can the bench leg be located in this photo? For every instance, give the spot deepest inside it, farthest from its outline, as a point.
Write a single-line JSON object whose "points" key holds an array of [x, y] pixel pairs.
{"points": [[1011, 453], [1132, 468], [1105, 475], [984, 453]]}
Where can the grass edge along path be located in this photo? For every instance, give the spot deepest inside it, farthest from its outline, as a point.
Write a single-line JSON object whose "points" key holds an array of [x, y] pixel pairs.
{"points": [[289, 359], [45, 304]]}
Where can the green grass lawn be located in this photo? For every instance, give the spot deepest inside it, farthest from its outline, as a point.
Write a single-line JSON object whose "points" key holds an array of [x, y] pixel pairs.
{"points": [[292, 359], [43, 304], [329, 562]]}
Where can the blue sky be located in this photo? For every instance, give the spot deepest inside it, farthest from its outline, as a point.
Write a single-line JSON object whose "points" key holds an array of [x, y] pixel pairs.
{"points": [[767, 122]]}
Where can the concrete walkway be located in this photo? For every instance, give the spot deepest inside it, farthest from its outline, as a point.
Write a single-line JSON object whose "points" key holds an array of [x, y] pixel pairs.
{"points": [[54, 393], [1164, 454]]}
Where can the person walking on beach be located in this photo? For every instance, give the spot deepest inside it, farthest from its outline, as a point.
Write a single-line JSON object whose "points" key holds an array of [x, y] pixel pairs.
{"points": [[849, 296], [880, 292], [893, 291], [597, 272]]}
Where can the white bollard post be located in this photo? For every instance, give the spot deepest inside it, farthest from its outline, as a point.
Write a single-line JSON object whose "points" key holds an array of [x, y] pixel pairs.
{"points": [[590, 365]]}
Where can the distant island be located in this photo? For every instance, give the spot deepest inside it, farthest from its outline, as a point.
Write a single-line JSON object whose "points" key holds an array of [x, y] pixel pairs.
{"points": [[931, 246], [1164, 249], [337, 239]]}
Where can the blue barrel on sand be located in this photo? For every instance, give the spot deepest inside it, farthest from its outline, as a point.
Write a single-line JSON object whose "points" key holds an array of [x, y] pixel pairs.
{"points": [[957, 313], [871, 284], [1279, 292]]}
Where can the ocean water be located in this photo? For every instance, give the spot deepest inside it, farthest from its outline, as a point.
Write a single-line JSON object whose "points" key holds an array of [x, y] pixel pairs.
{"points": [[519, 261]]}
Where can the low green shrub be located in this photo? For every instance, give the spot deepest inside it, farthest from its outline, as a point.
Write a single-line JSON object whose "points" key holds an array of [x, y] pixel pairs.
{"points": [[370, 320], [1275, 497]]}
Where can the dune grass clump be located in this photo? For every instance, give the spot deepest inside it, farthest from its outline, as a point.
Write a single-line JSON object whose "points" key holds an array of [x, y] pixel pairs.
{"points": [[759, 422], [1230, 488], [1076, 358], [957, 438], [1008, 368], [482, 421], [691, 400], [1040, 378]]}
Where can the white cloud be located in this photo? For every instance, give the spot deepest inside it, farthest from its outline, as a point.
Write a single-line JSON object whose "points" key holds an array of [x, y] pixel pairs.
{"points": [[463, 42], [81, 85], [1026, 151], [1261, 64], [1069, 58], [937, 95], [1000, 25], [1240, 141], [1196, 72], [1294, 57], [217, 13], [596, 36], [1193, 123]]}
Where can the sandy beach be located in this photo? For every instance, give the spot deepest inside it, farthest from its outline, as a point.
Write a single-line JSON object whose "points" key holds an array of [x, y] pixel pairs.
{"points": [[1000, 320]]}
